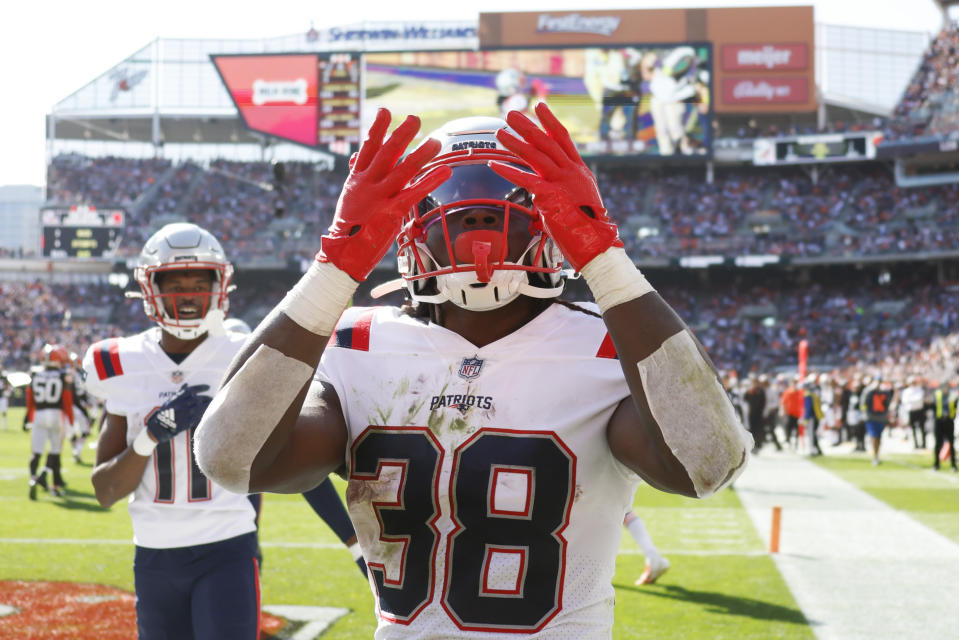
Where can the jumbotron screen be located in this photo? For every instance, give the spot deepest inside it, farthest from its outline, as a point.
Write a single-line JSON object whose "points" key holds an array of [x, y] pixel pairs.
{"points": [[312, 99], [651, 101], [81, 231]]}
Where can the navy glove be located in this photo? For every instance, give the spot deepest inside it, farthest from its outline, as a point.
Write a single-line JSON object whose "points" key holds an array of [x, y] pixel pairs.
{"points": [[181, 412]]}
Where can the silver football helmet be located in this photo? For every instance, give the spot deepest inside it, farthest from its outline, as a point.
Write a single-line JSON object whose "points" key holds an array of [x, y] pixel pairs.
{"points": [[473, 269], [183, 246]]}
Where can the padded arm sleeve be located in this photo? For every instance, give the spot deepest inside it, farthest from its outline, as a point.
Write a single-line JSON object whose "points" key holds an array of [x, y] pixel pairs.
{"points": [[244, 413], [695, 415]]}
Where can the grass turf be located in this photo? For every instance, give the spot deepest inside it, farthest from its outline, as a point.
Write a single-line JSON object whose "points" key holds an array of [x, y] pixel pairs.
{"points": [[721, 585], [907, 483]]}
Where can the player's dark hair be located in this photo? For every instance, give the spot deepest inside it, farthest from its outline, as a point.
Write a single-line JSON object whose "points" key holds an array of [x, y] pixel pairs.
{"points": [[575, 307], [417, 310]]}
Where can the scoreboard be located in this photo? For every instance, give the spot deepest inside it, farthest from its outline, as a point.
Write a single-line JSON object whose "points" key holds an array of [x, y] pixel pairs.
{"points": [[81, 231], [813, 149]]}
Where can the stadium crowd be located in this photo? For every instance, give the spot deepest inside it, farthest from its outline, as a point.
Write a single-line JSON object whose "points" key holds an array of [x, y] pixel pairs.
{"points": [[848, 210], [930, 102], [819, 408], [244, 203], [858, 334], [743, 326], [35, 313]]}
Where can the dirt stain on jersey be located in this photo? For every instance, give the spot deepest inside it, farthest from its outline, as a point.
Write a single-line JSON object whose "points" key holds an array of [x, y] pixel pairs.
{"points": [[358, 491]]}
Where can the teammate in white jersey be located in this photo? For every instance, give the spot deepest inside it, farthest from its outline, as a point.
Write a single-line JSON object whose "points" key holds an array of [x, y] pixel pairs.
{"points": [[194, 569], [492, 436], [81, 410]]}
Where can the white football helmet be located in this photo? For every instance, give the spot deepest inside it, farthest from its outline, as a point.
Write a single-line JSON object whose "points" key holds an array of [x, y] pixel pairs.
{"points": [[473, 270], [176, 247]]}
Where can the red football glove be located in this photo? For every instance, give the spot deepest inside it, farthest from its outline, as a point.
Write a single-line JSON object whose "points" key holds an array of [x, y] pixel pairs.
{"points": [[375, 197], [564, 190]]}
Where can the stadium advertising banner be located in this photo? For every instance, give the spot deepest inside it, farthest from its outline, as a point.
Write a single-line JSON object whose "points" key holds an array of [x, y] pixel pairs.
{"points": [[636, 100], [80, 231], [827, 147], [764, 54], [766, 57], [374, 35], [753, 89], [311, 99]]}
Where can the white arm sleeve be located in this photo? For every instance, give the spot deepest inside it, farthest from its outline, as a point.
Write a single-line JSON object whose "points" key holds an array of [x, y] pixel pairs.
{"points": [[244, 413], [693, 411]]}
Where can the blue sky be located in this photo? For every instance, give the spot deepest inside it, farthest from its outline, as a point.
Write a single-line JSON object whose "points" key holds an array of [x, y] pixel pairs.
{"points": [[50, 49]]}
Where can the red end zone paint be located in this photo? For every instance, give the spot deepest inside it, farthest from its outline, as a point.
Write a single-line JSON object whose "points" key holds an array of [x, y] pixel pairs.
{"points": [[74, 611]]}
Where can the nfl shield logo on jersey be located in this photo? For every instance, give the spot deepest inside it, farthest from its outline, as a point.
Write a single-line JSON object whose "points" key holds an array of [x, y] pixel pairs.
{"points": [[177, 377], [470, 368]]}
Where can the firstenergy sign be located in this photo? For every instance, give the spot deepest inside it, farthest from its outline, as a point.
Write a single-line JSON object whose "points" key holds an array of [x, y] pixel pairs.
{"points": [[577, 23]]}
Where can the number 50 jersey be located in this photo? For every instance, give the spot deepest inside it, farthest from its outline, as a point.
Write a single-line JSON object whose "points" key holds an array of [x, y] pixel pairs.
{"points": [[481, 485], [174, 505]]}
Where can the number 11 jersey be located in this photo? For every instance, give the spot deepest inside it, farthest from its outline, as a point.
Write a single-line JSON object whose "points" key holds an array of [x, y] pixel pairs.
{"points": [[175, 504]]}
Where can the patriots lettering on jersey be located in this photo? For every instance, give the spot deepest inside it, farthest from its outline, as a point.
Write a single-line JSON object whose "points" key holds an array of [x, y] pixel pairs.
{"points": [[353, 332], [463, 402], [106, 358]]}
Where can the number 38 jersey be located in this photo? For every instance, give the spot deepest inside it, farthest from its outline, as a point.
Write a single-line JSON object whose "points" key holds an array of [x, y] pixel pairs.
{"points": [[174, 505], [481, 485]]}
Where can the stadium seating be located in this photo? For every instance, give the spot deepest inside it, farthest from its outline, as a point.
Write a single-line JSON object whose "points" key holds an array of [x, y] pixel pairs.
{"points": [[743, 325], [930, 103], [851, 210]]}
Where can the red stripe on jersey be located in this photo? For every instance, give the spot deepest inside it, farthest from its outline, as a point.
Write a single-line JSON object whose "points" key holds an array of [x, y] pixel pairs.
{"points": [[115, 357], [607, 349], [361, 331], [353, 329], [98, 363], [106, 359]]}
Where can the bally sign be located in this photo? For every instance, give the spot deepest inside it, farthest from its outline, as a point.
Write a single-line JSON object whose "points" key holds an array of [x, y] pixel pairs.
{"points": [[765, 89], [752, 57]]}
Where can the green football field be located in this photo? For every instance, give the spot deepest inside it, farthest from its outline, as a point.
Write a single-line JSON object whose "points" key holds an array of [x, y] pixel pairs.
{"points": [[722, 583]]}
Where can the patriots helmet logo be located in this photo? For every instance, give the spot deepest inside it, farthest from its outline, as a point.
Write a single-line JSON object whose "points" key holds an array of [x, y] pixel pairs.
{"points": [[470, 368]]}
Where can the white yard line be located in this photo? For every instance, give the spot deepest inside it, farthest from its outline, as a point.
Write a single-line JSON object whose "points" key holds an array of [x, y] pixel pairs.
{"points": [[857, 567], [338, 546]]}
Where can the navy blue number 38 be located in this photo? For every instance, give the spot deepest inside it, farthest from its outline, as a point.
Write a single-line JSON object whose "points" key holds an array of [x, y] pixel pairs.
{"points": [[526, 532]]}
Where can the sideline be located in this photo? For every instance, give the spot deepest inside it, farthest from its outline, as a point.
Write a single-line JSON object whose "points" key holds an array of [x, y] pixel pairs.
{"points": [[857, 567]]}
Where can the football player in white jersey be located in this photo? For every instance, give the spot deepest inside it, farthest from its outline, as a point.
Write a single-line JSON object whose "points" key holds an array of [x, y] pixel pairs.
{"points": [[492, 436], [4, 397], [81, 410], [194, 568], [49, 414]]}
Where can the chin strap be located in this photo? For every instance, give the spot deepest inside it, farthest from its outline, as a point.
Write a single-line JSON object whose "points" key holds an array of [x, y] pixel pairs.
{"points": [[213, 323]]}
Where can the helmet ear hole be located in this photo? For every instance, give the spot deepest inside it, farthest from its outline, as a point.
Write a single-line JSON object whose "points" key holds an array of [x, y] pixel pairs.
{"points": [[425, 287]]}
